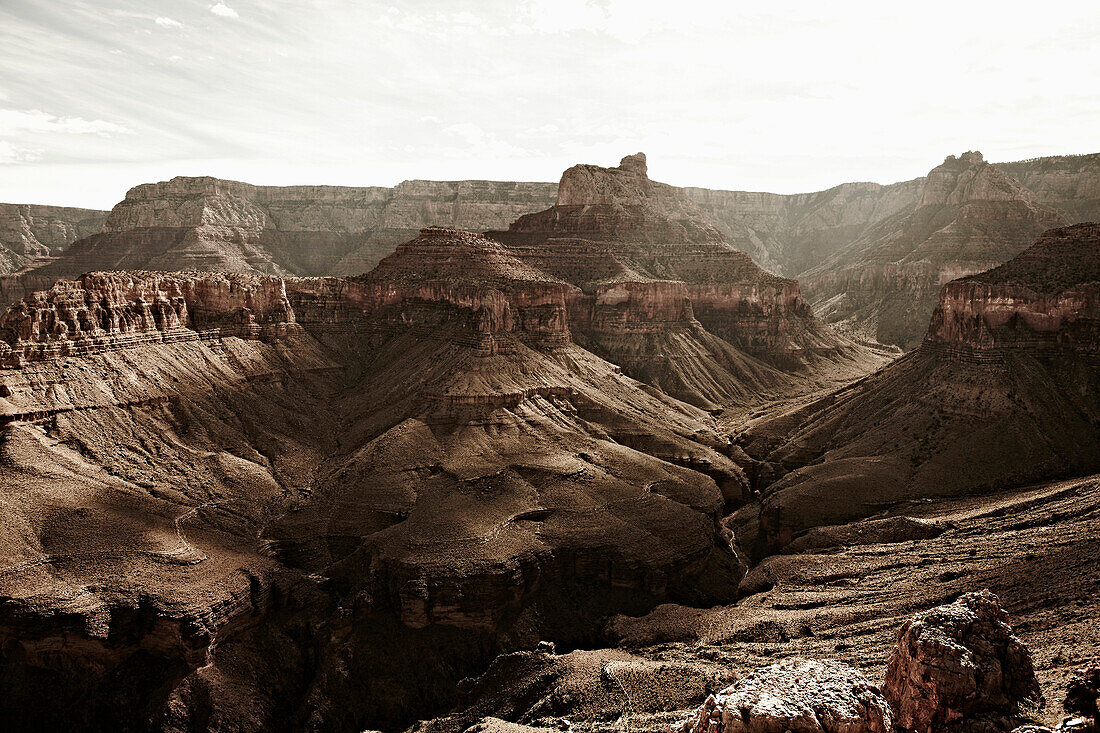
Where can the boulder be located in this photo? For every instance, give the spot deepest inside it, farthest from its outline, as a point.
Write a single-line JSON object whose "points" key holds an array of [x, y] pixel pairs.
{"points": [[959, 661], [794, 696], [1083, 692]]}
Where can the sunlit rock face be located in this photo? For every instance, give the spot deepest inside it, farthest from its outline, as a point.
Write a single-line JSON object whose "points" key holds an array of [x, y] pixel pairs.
{"points": [[103, 310]]}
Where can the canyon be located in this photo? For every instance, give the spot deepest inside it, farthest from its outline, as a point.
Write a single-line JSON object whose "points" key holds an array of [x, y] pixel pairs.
{"points": [[275, 464], [870, 258]]}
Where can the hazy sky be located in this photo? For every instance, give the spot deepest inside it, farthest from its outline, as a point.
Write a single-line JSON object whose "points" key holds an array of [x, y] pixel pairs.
{"points": [[98, 96]]}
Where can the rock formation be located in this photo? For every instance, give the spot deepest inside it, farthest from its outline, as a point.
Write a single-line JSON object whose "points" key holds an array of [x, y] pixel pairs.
{"points": [[1010, 354], [206, 470], [103, 310], [798, 695], [663, 295], [970, 216], [1083, 696], [959, 662], [29, 233], [227, 226]]}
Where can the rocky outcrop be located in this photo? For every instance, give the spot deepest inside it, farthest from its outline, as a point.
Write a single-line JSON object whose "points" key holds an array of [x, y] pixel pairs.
{"points": [[960, 662], [1083, 694], [1045, 300], [797, 695], [686, 310], [227, 226], [30, 233], [106, 310]]}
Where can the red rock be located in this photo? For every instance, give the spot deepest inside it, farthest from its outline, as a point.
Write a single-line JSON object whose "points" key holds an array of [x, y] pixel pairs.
{"points": [[959, 662]]}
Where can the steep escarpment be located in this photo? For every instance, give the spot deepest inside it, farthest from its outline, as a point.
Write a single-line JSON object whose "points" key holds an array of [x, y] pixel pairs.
{"points": [[466, 481], [970, 216], [664, 295], [227, 226], [1070, 184], [789, 234], [104, 310], [1004, 390], [30, 233]]}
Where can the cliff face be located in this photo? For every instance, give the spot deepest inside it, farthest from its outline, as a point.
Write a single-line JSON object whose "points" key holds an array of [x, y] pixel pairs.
{"points": [[789, 234], [1047, 299], [1004, 390], [1070, 184], [970, 216], [227, 226], [721, 327], [30, 233], [101, 311]]}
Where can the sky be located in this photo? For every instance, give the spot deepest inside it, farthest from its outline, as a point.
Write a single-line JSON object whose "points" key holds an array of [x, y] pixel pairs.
{"points": [[99, 96]]}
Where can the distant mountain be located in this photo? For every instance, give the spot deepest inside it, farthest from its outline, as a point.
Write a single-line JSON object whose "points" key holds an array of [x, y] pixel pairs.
{"points": [[210, 224], [970, 216], [30, 233]]}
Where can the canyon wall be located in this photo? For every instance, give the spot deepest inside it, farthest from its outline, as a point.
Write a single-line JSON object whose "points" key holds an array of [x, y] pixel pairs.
{"points": [[216, 225], [970, 216], [1004, 390], [30, 233]]}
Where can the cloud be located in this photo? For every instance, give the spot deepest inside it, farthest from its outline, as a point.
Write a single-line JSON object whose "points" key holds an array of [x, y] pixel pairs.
{"points": [[16, 121], [168, 23], [224, 11], [11, 154]]}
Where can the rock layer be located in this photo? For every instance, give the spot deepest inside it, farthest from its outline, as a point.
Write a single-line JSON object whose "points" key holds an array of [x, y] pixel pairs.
{"points": [[665, 296]]}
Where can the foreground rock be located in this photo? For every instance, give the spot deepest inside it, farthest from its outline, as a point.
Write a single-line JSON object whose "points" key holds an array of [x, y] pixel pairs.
{"points": [[1083, 694], [797, 696], [960, 662]]}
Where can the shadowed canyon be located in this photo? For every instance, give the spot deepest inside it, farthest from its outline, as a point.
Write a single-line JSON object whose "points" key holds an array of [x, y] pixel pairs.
{"points": [[601, 455]]}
